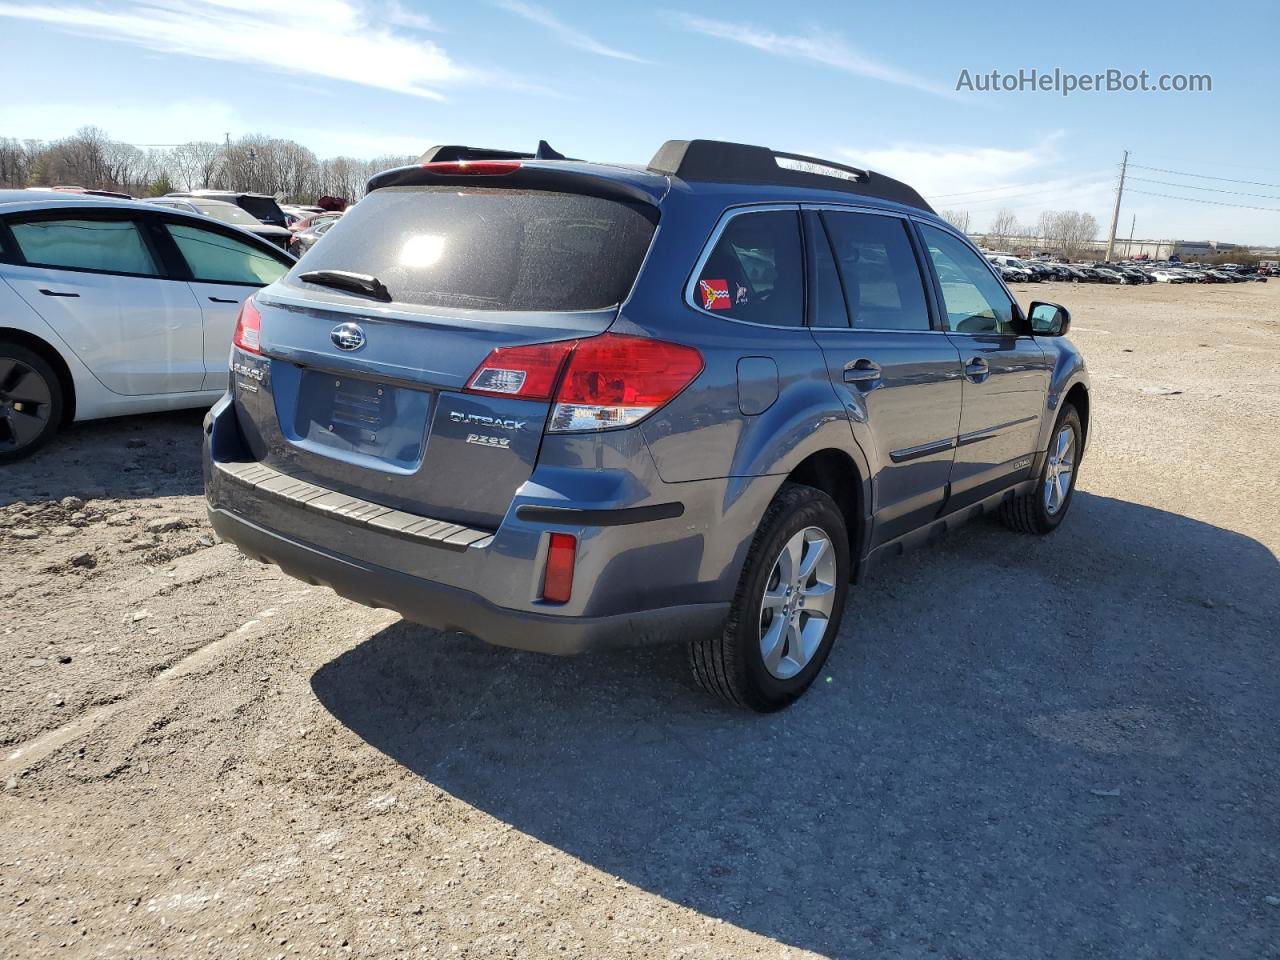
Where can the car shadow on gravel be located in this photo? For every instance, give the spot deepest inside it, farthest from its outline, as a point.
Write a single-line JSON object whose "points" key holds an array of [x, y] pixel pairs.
{"points": [[1021, 747], [122, 458]]}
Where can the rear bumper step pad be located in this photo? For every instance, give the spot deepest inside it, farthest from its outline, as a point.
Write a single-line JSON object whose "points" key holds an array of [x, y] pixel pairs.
{"points": [[353, 510]]}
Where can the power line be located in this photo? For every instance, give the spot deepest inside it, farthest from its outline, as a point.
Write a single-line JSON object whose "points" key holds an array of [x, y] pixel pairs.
{"points": [[1216, 203], [1192, 186], [1205, 176]]}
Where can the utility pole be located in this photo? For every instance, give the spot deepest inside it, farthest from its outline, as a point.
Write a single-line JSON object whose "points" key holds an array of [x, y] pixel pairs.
{"points": [[1115, 215], [1128, 247]]}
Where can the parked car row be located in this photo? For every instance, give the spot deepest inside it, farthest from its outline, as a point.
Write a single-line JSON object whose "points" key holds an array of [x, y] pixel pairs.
{"points": [[1035, 270]]}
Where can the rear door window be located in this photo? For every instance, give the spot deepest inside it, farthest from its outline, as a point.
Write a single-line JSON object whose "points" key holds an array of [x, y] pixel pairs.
{"points": [[114, 246], [221, 259], [883, 288], [485, 248], [755, 272]]}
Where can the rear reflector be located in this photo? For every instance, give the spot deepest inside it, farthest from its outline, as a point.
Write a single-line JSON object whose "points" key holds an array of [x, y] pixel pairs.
{"points": [[248, 332], [557, 581], [482, 168]]}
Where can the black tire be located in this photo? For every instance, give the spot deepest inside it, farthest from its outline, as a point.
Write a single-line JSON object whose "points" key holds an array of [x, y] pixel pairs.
{"points": [[30, 402], [731, 665], [1030, 512]]}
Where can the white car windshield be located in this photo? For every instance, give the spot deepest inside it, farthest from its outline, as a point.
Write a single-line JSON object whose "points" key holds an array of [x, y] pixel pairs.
{"points": [[226, 212]]}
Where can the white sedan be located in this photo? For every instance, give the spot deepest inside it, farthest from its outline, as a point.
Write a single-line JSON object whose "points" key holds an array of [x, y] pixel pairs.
{"points": [[110, 307]]}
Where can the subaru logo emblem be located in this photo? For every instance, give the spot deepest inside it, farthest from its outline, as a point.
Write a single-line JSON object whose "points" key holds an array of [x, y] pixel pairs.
{"points": [[347, 336]]}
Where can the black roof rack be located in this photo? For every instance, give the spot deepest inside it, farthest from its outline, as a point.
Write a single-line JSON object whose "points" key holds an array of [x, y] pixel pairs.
{"points": [[450, 153], [723, 162]]}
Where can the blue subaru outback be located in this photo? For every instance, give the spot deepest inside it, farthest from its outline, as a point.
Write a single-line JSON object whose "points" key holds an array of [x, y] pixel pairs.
{"points": [[563, 406]]}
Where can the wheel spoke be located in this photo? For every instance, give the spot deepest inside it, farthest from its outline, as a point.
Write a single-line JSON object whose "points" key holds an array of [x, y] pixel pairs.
{"points": [[10, 370], [789, 560], [811, 634], [775, 598], [24, 427], [773, 644], [813, 552], [1064, 441], [28, 387], [819, 598]]}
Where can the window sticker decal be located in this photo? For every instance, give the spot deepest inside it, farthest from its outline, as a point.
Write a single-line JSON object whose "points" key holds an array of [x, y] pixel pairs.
{"points": [[715, 294]]}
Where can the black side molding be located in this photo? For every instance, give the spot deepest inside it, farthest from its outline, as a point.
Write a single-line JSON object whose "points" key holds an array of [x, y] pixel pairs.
{"points": [[600, 518]]}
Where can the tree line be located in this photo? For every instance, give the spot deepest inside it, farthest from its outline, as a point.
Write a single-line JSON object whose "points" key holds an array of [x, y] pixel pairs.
{"points": [[1065, 232], [282, 168]]}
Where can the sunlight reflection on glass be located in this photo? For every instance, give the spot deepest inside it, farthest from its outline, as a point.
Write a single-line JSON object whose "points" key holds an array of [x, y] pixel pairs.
{"points": [[423, 250]]}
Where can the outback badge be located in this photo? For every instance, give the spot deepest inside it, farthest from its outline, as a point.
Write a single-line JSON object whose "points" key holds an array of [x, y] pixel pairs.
{"points": [[347, 336]]}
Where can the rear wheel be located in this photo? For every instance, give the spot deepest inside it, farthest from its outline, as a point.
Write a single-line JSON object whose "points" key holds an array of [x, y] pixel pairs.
{"points": [[1042, 509], [30, 402], [787, 608]]}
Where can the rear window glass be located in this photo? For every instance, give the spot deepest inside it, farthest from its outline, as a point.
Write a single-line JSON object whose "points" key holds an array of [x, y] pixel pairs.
{"points": [[490, 249], [264, 208]]}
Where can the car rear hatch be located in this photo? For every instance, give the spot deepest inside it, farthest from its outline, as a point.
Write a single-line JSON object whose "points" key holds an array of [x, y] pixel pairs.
{"points": [[368, 394]]}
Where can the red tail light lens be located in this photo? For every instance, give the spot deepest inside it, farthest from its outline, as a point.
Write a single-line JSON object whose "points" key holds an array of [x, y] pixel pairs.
{"points": [[248, 333], [528, 373], [557, 580], [483, 168], [611, 380], [614, 380]]}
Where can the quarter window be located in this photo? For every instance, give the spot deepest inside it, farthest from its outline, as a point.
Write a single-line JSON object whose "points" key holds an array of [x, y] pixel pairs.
{"points": [[115, 246], [973, 298], [755, 271], [882, 284], [222, 259]]}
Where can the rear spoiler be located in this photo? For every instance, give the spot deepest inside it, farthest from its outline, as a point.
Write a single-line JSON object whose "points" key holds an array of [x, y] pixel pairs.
{"points": [[454, 152], [517, 173]]}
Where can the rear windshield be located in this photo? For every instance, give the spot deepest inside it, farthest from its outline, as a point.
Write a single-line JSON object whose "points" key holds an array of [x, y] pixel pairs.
{"points": [[490, 249], [264, 208]]}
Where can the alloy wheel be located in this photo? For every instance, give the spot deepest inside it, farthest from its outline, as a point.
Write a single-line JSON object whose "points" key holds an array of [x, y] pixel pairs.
{"points": [[795, 611], [26, 402], [1058, 471]]}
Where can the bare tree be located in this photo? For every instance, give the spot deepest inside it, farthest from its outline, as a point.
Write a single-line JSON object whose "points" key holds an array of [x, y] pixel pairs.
{"points": [[1004, 226], [957, 218]]}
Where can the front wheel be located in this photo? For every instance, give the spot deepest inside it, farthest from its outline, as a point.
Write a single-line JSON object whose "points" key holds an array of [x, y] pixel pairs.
{"points": [[787, 608], [1041, 510]]}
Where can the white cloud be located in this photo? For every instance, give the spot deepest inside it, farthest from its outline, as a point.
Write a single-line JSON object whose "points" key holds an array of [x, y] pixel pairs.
{"points": [[567, 33], [825, 47], [334, 39]]}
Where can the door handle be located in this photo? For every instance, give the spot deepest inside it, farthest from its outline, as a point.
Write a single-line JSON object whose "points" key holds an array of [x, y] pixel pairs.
{"points": [[222, 300], [976, 369], [57, 293], [861, 371]]}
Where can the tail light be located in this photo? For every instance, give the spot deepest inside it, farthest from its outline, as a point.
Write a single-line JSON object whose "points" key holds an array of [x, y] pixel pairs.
{"points": [[612, 380], [248, 333], [528, 373], [557, 579]]}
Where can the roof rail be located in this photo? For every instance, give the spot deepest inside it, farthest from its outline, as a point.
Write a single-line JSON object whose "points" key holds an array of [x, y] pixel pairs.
{"points": [[451, 153], [723, 162]]}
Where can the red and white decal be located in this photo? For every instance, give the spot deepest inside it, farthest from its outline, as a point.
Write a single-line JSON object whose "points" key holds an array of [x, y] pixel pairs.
{"points": [[715, 294]]}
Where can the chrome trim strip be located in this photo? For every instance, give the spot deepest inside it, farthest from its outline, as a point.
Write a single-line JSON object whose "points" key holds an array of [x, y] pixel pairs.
{"points": [[921, 451]]}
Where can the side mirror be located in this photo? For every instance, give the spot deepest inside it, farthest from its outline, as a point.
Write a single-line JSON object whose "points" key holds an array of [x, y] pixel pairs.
{"points": [[1049, 320]]}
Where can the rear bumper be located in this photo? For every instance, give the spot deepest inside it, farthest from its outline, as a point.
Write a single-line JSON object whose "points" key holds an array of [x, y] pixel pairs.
{"points": [[451, 608]]}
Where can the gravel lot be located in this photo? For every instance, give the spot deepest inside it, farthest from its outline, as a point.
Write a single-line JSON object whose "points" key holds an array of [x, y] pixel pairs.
{"points": [[1021, 747]]}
